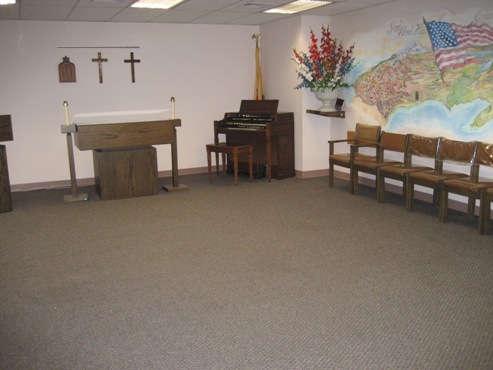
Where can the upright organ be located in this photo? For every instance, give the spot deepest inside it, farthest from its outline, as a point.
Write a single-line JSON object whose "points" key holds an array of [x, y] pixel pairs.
{"points": [[270, 133]]}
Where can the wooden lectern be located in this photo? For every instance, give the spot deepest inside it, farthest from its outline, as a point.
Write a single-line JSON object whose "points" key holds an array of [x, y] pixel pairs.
{"points": [[5, 135], [125, 162]]}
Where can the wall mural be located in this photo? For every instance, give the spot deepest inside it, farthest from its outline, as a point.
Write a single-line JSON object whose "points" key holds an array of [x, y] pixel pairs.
{"points": [[431, 77]]}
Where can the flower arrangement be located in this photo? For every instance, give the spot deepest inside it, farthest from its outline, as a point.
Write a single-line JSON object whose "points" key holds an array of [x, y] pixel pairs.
{"points": [[325, 65]]}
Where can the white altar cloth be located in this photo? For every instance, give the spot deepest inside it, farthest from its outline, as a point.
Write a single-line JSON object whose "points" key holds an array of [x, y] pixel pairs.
{"points": [[121, 116]]}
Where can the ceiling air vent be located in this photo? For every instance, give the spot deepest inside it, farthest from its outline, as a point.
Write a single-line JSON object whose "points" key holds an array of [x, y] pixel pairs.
{"points": [[256, 5], [109, 1]]}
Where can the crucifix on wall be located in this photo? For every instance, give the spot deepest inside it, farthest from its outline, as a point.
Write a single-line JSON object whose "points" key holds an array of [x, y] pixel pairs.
{"points": [[100, 61], [132, 62]]}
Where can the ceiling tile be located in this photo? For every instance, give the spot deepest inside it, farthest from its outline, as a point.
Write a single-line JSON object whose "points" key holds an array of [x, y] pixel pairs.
{"points": [[45, 13], [93, 14]]}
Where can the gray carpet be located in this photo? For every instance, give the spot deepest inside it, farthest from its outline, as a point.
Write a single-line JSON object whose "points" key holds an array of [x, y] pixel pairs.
{"points": [[283, 275]]}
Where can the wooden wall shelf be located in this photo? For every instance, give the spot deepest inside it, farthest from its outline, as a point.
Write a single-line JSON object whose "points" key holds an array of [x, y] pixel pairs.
{"points": [[336, 114]]}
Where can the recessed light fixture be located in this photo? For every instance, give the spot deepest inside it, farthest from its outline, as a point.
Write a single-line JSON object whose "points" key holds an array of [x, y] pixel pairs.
{"points": [[298, 6], [7, 2], [156, 4]]}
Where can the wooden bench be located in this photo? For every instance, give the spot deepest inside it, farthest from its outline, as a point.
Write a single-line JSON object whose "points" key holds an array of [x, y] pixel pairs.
{"points": [[232, 151]]}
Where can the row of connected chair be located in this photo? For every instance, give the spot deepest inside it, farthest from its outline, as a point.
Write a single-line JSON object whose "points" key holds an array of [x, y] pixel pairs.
{"points": [[401, 166]]}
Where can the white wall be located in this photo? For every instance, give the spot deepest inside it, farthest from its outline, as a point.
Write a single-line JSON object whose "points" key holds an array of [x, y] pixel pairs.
{"points": [[277, 42], [207, 68], [311, 131]]}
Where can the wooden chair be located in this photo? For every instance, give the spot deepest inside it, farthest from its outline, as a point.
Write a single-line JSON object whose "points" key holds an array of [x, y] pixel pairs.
{"points": [[471, 186], [486, 197], [449, 151], [363, 135], [232, 151], [389, 142], [417, 146]]}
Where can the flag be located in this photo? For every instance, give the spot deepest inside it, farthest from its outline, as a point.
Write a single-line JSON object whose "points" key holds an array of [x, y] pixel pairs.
{"points": [[451, 42]]}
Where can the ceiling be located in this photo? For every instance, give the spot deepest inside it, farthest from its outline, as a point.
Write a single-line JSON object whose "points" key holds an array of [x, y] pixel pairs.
{"points": [[231, 12]]}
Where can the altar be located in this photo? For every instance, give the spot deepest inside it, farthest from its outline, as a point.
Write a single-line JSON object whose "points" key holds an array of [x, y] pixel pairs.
{"points": [[125, 161]]}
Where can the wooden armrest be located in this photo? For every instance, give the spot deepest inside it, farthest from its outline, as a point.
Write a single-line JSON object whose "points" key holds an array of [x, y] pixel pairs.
{"points": [[333, 142], [355, 148], [340, 141]]}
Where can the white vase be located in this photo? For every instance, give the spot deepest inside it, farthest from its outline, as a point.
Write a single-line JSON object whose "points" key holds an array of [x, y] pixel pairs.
{"points": [[327, 97]]}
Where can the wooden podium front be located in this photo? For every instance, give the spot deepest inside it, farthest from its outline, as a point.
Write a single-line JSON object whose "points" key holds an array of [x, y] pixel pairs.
{"points": [[125, 162], [5, 135]]}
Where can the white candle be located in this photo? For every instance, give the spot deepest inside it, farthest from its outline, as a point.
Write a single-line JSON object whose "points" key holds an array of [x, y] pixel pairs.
{"points": [[172, 107], [65, 104]]}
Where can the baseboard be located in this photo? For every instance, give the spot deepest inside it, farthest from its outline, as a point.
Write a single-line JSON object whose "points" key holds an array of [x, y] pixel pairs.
{"points": [[426, 197], [90, 181], [311, 174]]}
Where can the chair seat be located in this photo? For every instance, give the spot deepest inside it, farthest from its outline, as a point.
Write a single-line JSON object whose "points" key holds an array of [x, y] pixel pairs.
{"points": [[346, 158], [372, 163], [467, 185], [401, 170], [431, 177]]}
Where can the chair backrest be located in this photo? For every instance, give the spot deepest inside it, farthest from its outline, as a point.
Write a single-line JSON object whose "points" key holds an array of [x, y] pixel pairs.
{"points": [[484, 155], [455, 151], [367, 133], [421, 146], [459, 153], [393, 142]]}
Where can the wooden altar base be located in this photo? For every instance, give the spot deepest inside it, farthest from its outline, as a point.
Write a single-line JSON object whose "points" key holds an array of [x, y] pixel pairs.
{"points": [[125, 173]]}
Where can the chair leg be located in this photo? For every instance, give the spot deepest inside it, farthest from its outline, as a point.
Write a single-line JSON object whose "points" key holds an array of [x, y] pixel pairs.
{"points": [[471, 207], [250, 163], [224, 165], [217, 163], [487, 217], [380, 189], [331, 175], [443, 207], [353, 181], [209, 163], [235, 164], [484, 214], [435, 197], [409, 195]]}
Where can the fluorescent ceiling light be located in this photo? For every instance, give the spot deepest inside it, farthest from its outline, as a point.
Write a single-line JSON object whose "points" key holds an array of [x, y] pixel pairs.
{"points": [[156, 4], [298, 6], [7, 2]]}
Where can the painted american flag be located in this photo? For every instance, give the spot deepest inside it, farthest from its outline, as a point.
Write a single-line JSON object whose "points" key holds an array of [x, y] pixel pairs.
{"points": [[451, 42]]}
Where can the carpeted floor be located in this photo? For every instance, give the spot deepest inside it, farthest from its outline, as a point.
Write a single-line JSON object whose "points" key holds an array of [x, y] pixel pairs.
{"points": [[284, 275]]}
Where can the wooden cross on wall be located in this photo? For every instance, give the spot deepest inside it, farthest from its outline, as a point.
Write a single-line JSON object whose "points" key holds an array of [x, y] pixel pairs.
{"points": [[132, 62], [100, 61]]}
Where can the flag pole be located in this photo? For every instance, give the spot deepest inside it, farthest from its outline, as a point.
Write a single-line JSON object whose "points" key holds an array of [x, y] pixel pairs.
{"points": [[258, 92]]}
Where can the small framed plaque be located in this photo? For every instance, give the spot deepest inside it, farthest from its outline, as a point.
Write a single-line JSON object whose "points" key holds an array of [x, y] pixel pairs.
{"points": [[66, 70]]}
